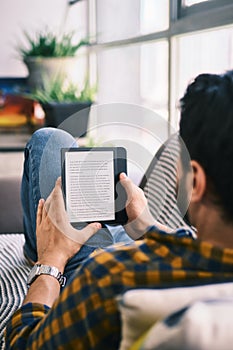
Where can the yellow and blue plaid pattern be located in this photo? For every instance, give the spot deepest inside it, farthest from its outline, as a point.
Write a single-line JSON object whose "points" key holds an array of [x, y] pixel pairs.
{"points": [[86, 316]]}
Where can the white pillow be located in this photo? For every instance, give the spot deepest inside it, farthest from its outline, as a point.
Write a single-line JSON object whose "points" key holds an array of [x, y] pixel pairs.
{"points": [[141, 308], [204, 325]]}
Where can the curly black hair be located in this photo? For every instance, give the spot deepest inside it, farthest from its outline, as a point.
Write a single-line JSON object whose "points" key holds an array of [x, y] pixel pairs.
{"points": [[206, 127]]}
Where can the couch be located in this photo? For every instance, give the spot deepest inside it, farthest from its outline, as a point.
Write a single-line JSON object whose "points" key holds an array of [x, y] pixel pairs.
{"points": [[197, 318]]}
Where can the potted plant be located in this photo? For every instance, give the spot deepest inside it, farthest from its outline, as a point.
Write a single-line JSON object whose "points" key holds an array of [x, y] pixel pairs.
{"points": [[61, 99], [48, 54]]}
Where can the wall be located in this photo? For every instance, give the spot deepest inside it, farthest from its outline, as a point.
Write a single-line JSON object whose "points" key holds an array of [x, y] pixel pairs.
{"points": [[32, 15]]}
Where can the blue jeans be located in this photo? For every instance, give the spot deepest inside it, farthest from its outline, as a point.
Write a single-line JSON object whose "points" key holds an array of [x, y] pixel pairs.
{"points": [[42, 166]]}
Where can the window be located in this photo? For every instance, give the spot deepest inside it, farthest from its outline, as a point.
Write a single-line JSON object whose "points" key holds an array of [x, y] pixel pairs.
{"points": [[154, 16], [115, 21], [139, 71], [210, 51], [139, 74], [190, 7], [120, 20], [154, 76], [118, 74], [147, 51], [193, 2]]}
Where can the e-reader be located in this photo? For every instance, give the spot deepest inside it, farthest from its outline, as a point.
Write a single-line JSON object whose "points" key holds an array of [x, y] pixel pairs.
{"points": [[91, 186]]}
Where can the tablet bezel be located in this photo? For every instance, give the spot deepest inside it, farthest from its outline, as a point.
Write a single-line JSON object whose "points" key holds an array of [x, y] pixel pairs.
{"points": [[120, 165]]}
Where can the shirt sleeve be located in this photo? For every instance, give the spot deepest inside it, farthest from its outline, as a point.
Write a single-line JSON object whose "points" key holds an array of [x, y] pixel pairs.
{"points": [[22, 323], [181, 232], [85, 316]]}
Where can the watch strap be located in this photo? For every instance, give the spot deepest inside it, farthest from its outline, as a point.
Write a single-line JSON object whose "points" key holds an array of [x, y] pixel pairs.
{"points": [[53, 271]]}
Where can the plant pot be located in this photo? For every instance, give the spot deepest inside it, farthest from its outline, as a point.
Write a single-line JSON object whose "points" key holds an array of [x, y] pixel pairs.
{"points": [[70, 116], [44, 68]]}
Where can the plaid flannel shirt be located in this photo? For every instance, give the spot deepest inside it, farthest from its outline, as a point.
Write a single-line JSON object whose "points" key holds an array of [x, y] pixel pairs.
{"points": [[86, 316]]}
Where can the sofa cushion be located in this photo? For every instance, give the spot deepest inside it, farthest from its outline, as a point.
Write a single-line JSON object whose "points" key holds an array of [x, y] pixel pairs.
{"points": [[202, 326], [140, 309]]}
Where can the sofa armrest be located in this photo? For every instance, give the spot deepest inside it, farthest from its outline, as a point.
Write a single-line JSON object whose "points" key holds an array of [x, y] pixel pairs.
{"points": [[11, 215]]}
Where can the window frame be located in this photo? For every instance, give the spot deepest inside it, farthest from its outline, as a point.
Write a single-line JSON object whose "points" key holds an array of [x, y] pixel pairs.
{"points": [[184, 11], [182, 20]]}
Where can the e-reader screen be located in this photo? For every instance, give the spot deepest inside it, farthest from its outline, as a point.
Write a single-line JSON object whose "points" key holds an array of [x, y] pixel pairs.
{"points": [[90, 178]]}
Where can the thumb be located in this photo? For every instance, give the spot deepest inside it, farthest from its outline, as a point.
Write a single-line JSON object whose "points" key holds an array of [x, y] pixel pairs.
{"points": [[57, 187], [58, 181], [58, 190], [127, 183], [90, 230]]}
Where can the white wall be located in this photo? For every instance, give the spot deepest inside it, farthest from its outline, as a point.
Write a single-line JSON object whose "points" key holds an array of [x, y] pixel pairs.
{"points": [[32, 15]]}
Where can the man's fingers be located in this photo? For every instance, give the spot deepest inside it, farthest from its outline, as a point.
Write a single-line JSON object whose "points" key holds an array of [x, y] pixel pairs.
{"points": [[89, 231]]}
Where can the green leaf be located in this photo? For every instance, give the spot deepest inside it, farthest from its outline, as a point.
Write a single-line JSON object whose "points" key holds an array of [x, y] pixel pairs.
{"points": [[48, 44], [59, 89]]}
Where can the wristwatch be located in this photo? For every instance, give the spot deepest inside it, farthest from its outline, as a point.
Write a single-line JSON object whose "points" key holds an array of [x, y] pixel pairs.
{"points": [[39, 269]]}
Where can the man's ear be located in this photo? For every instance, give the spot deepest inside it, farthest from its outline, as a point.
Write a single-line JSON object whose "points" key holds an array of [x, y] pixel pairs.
{"points": [[199, 181]]}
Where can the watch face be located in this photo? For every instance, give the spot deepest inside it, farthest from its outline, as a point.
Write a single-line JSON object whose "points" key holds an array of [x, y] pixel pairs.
{"points": [[32, 274]]}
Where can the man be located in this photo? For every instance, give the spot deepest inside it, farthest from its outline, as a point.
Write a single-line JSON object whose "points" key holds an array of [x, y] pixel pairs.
{"points": [[85, 314]]}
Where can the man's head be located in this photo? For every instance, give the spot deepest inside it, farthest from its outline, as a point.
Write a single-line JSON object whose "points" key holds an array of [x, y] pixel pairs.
{"points": [[206, 127]]}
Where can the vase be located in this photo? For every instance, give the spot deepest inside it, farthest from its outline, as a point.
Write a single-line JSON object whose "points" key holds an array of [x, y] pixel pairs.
{"points": [[70, 116]]}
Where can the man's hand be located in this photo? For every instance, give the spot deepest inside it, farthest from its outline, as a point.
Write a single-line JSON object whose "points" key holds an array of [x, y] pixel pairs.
{"points": [[140, 217], [57, 239], [137, 209]]}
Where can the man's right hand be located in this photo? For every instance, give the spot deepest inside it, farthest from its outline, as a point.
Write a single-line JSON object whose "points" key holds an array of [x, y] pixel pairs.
{"points": [[140, 218]]}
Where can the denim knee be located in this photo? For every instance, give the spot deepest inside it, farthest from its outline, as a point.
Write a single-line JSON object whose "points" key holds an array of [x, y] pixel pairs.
{"points": [[60, 137]]}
